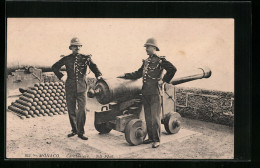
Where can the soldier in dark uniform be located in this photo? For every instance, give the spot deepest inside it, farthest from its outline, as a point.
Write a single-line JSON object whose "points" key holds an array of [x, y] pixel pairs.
{"points": [[76, 85], [151, 71]]}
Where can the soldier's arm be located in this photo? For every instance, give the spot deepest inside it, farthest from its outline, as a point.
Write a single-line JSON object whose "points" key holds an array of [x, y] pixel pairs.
{"points": [[170, 70], [135, 75], [93, 67], [57, 66]]}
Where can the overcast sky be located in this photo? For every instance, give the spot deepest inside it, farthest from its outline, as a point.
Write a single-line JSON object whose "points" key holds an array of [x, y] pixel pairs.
{"points": [[117, 44]]}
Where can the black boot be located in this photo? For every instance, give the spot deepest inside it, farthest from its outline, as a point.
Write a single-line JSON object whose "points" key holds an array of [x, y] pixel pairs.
{"points": [[82, 137], [72, 134], [147, 141]]}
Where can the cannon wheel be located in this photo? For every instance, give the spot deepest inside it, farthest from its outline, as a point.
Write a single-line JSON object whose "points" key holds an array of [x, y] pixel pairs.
{"points": [[135, 132], [172, 123], [102, 128]]}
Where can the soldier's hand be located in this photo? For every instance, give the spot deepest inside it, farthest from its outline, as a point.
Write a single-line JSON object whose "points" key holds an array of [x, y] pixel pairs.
{"points": [[99, 77], [121, 76], [64, 78], [161, 83]]}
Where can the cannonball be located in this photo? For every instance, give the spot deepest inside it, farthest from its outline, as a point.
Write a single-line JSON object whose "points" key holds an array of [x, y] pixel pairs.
{"points": [[50, 87], [42, 112], [34, 103], [36, 84], [57, 110], [31, 112], [33, 108], [48, 106], [42, 84], [47, 94], [35, 88], [58, 106], [38, 95], [44, 107], [36, 112], [39, 91], [38, 107], [52, 110], [45, 91], [47, 98], [41, 99], [52, 98], [55, 101], [36, 99], [39, 103], [40, 88]]}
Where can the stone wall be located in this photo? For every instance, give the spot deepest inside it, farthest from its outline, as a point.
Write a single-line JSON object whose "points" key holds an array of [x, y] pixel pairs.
{"points": [[206, 105]]}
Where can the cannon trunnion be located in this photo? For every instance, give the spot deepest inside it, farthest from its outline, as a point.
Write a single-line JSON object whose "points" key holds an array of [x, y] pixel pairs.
{"points": [[123, 111]]}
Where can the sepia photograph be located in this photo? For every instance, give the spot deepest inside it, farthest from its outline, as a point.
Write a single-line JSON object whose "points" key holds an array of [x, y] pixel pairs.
{"points": [[120, 88]]}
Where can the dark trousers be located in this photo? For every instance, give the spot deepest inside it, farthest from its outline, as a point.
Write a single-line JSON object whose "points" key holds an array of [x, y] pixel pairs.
{"points": [[152, 111], [77, 120]]}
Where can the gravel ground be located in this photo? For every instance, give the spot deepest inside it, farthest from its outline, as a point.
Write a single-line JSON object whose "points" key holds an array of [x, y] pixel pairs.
{"points": [[45, 137]]}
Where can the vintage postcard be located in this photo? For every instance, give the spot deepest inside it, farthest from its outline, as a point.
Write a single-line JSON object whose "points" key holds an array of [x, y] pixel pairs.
{"points": [[120, 88]]}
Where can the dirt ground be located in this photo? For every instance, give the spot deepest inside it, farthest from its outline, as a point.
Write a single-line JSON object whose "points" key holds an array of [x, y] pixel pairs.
{"points": [[46, 137]]}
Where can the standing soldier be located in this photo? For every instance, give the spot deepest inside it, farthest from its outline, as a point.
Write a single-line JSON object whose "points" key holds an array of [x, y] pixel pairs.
{"points": [[151, 71], [75, 85]]}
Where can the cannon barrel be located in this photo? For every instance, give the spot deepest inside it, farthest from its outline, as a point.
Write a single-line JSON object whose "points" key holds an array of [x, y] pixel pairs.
{"points": [[120, 90], [198, 73]]}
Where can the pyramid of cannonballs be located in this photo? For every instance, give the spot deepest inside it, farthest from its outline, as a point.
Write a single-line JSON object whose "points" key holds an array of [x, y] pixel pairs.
{"points": [[44, 99]]}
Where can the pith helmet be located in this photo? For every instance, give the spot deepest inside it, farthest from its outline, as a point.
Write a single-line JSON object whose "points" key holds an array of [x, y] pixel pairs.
{"points": [[152, 42], [75, 41]]}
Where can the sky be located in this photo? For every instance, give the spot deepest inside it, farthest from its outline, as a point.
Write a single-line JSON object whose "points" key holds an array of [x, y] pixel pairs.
{"points": [[117, 44]]}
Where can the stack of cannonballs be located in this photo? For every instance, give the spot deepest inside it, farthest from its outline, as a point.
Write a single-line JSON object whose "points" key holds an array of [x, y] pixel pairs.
{"points": [[44, 99]]}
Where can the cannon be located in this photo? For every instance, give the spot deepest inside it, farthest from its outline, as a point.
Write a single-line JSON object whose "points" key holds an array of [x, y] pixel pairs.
{"points": [[122, 106]]}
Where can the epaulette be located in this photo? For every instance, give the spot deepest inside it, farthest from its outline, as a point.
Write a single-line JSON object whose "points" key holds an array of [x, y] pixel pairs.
{"points": [[87, 55], [161, 57]]}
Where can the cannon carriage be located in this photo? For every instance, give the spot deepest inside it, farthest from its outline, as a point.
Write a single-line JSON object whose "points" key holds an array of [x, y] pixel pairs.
{"points": [[122, 106]]}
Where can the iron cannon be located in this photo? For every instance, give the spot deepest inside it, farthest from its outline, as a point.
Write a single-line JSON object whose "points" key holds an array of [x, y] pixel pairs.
{"points": [[122, 106]]}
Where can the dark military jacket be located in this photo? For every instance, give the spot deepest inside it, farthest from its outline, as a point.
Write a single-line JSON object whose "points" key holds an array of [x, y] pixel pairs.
{"points": [[151, 72], [76, 67]]}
